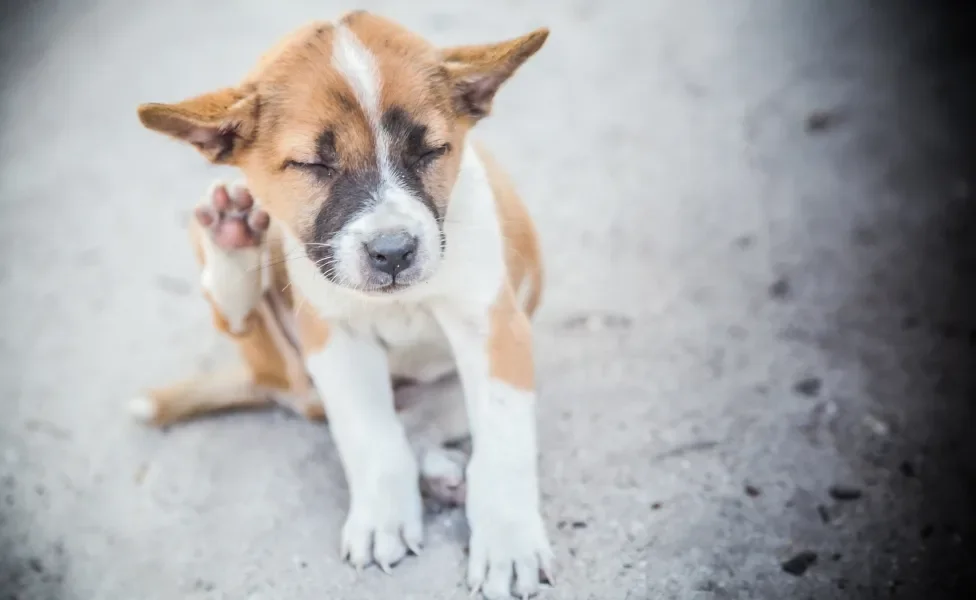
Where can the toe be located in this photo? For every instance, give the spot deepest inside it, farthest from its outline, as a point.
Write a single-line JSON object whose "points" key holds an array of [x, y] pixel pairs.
{"points": [[498, 585], [242, 197], [356, 547], [258, 220], [220, 198], [388, 550], [443, 477], [413, 536], [545, 567], [477, 565], [204, 216], [526, 577]]}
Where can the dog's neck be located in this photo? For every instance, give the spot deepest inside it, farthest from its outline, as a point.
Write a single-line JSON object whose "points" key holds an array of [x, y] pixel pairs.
{"points": [[471, 272]]}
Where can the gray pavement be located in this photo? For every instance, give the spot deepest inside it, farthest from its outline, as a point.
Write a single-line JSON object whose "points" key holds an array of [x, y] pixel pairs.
{"points": [[731, 195]]}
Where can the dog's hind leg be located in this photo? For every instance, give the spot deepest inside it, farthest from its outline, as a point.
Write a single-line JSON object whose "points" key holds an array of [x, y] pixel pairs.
{"points": [[205, 393], [243, 286]]}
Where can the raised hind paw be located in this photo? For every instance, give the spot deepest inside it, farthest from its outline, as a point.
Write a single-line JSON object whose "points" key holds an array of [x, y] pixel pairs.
{"points": [[232, 228], [231, 218]]}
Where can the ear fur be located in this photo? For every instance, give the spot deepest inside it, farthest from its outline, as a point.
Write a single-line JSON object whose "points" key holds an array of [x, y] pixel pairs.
{"points": [[217, 124], [477, 72]]}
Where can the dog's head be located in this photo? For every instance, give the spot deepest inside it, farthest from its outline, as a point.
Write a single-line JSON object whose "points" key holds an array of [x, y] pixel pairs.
{"points": [[350, 135]]}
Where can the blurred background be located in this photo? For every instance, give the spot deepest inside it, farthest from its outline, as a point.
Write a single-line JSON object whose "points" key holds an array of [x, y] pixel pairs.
{"points": [[754, 349]]}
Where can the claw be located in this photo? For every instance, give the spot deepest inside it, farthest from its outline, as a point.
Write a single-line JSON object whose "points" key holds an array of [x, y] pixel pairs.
{"points": [[414, 547], [385, 568]]}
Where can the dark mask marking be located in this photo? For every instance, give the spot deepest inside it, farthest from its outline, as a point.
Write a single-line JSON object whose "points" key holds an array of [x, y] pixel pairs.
{"points": [[326, 147], [407, 143], [352, 192]]}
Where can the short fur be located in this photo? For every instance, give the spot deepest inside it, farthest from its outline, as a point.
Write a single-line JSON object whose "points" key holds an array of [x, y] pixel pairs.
{"points": [[349, 133]]}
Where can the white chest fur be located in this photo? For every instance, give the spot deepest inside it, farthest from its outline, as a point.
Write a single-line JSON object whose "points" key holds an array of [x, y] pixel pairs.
{"points": [[415, 344]]}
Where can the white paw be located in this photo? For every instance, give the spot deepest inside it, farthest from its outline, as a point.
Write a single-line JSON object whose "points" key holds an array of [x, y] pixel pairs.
{"points": [[509, 549], [385, 519], [442, 476]]}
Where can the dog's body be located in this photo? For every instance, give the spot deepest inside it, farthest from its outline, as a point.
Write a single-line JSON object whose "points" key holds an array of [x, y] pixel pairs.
{"points": [[386, 246]]}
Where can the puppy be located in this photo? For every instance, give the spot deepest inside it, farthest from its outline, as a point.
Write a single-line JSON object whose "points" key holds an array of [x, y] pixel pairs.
{"points": [[374, 240]]}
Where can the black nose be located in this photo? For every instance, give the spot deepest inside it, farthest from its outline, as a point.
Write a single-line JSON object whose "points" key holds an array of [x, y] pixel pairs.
{"points": [[392, 252]]}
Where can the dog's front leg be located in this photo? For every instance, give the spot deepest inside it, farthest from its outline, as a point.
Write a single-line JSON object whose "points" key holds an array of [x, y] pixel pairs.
{"points": [[508, 537], [385, 517]]}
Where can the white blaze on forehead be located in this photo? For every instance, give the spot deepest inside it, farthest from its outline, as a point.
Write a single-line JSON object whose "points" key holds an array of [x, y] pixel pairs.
{"points": [[358, 66], [393, 206]]}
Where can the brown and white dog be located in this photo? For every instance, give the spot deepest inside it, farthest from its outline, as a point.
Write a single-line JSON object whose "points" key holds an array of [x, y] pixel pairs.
{"points": [[373, 240]]}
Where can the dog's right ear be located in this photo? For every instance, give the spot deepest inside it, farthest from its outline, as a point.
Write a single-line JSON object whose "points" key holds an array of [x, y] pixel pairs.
{"points": [[217, 124]]}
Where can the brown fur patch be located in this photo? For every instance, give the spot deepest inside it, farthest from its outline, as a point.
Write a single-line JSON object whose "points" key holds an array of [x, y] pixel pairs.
{"points": [[510, 343], [312, 329]]}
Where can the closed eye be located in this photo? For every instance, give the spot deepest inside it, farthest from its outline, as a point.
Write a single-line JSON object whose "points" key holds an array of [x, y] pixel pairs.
{"points": [[318, 168], [425, 158]]}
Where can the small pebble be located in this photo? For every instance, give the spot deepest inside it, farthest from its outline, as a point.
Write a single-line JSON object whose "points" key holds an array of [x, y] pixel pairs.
{"points": [[824, 514], [752, 491], [876, 425], [579, 525], [808, 386], [907, 469], [779, 289], [598, 322], [204, 585], [799, 563], [820, 121], [36, 565], [656, 506], [844, 492], [744, 241]]}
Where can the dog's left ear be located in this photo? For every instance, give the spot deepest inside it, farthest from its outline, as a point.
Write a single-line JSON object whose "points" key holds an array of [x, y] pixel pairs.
{"points": [[477, 72], [217, 124]]}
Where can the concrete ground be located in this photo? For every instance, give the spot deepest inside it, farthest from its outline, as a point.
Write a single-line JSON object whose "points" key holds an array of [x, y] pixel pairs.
{"points": [[751, 216]]}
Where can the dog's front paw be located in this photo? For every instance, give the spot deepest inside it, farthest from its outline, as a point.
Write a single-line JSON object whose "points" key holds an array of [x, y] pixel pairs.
{"points": [[509, 549], [385, 521]]}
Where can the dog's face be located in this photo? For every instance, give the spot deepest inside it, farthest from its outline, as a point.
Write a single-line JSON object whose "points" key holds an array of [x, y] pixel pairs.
{"points": [[350, 135]]}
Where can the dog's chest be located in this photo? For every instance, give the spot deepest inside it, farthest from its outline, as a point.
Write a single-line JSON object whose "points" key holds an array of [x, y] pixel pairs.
{"points": [[397, 325], [415, 344]]}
